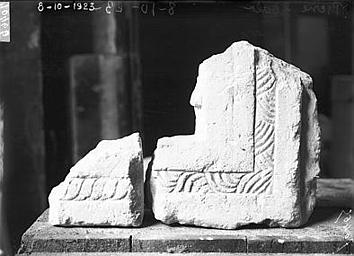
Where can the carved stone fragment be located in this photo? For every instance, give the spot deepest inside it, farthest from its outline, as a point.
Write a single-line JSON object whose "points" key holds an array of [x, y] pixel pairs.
{"points": [[103, 188], [254, 155]]}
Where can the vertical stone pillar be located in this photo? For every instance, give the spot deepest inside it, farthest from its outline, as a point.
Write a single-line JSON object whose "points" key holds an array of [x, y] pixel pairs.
{"points": [[21, 82], [111, 78], [105, 85], [104, 33], [135, 69], [4, 239]]}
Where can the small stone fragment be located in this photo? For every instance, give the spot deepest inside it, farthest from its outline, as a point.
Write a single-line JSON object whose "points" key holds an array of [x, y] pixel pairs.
{"points": [[105, 188], [254, 156]]}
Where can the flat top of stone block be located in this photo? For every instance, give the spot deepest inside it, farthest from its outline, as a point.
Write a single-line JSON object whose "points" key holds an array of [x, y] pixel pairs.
{"points": [[326, 231], [107, 152], [321, 230]]}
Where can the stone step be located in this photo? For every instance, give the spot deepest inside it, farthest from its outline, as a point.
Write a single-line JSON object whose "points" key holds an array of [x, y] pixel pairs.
{"points": [[326, 232]]}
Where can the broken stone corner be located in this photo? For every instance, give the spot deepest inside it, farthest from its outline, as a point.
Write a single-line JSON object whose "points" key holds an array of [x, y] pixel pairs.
{"points": [[104, 188], [254, 156]]}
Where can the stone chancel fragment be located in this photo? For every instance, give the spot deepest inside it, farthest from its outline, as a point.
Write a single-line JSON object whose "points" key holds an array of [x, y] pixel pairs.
{"points": [[104, 188], [254, 155]]}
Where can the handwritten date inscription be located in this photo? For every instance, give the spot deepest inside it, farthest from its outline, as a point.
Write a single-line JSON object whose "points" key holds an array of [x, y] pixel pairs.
{"points": [[110, 7]]}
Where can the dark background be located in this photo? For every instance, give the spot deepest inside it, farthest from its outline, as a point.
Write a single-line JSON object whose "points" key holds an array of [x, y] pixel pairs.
{"points": [[162, 51]]}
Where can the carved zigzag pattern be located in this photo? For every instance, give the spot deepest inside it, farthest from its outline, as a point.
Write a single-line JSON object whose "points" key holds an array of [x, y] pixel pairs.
{"points": [[96, 189], [264, 137], [239, 183], [264, 126], [259, 181], [265, 80]]}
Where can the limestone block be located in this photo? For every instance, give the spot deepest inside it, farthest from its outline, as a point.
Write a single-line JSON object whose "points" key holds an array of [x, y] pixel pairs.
{"points": [[254, 156], [104, 188]]}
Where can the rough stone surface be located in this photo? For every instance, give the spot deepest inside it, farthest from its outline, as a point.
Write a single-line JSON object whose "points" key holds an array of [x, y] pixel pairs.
{"points": [[322, 234], [254, 155], [186, 243], [103, 188]]}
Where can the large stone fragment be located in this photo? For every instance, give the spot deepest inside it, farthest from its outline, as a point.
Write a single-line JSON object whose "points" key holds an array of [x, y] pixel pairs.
{"points": [[103, 188], [254, 155]]}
